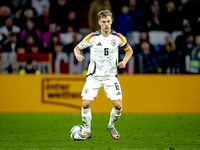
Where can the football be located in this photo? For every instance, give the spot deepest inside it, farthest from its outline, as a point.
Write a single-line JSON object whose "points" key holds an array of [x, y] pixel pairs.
{"points": [[78, 133]]}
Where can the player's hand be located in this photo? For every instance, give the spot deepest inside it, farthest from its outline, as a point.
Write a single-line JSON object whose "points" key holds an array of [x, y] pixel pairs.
{"points": [[122, 64], [80, 57]]}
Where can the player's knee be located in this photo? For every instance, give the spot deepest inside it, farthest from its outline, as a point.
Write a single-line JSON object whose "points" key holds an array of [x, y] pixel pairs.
{"points": [[118, 107], [117, 104], [85, 105]]}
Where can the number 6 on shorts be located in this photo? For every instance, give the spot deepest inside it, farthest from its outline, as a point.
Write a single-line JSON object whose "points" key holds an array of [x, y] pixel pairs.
{"points": [[116, 85]]}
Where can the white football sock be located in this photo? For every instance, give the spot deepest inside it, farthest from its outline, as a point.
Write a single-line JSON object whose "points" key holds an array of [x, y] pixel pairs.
{"points": [[87, 117], [114, 116]]}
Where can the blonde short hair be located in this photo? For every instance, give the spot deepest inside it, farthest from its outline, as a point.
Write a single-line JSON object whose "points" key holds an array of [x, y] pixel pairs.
{"points": [[104, 13]]}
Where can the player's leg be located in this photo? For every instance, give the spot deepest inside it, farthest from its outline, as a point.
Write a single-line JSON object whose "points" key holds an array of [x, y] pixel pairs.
{"points": [[90, 91], [115, 112], [114, 116], [113, 91], [86, 116]]}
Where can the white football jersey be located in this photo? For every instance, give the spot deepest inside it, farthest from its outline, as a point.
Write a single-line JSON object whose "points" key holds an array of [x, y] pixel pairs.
{"points": [[103, 53]]}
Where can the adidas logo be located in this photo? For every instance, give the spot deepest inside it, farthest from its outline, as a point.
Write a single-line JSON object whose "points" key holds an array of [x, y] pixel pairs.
{"points": [[99, 44], [118, 93]]}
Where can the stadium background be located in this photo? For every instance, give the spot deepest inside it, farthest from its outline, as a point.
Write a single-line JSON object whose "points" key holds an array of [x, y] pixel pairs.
{"points": [[57, 86]]}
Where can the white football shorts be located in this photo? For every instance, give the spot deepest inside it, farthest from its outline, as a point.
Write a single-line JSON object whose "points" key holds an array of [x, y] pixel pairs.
{"points": [[92, 86]]}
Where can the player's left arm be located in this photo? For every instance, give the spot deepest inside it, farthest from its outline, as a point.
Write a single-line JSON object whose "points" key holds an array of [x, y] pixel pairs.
{"points": [[129, 53]]}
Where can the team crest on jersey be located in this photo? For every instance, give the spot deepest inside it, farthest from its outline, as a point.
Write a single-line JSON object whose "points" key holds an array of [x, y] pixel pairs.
{"points": [[113, 42], [86, 91]]}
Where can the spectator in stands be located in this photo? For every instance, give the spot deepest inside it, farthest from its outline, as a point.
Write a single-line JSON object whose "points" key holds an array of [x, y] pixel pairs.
{"points": [[95, 7], [28, 14], [154, 18], [31, 63], [47, 35], [70, 39], [144, 38], [43, 20], [38, 5], [170, 49], [59, 12], [186, 29], [145, 47], [11, 44], [188, 45], [34, 48], [73, 21], [170, 19], [31, 30], [179, 8], [5, 12], [29, 41], [58, 48], [54, 41], [186, 50], [17, 9], [21, 49], [123, 22], [8, 28], [18, 6], [191, 12], [135, 14], [195, 53]]}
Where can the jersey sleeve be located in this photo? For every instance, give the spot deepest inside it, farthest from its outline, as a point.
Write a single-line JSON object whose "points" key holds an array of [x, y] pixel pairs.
{"points": [[124, 44], [86, 42]]}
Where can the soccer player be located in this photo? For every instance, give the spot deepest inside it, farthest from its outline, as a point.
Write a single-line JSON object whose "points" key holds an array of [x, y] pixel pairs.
{"points": [[102, 71]]}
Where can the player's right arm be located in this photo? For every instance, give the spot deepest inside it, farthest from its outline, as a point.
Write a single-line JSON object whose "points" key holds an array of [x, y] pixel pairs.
{"points": [[77, 53], [82, 45]]}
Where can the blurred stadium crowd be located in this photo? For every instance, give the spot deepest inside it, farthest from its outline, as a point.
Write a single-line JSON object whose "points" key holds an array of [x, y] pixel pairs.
{"points": [[164, 34]]}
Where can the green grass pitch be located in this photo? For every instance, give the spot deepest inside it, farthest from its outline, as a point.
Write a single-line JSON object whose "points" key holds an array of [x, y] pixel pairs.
{"points": [[138, 132]]}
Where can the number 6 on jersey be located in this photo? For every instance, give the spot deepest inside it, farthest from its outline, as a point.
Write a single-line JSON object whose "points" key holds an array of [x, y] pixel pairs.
{"points": [[106, 51]]}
